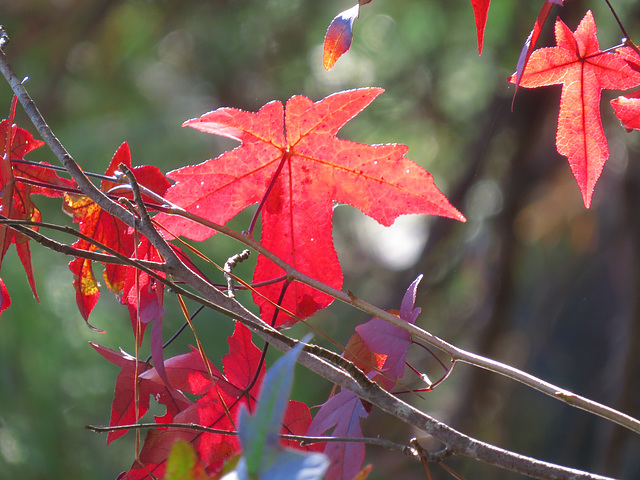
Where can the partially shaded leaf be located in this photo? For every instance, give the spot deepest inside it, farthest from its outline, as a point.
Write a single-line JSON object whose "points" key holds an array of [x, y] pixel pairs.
{"points": [[342, 412]]}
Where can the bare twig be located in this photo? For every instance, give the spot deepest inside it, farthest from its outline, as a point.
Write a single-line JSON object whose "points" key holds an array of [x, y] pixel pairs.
{"points": [[230, 265]]}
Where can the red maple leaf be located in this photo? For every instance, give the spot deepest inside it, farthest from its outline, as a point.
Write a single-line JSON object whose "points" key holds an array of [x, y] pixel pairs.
{"points": [[106, 229], [294, 150], [583, 70]]}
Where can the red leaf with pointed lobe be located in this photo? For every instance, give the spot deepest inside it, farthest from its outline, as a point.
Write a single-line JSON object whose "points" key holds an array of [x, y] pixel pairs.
{"points": [[106, 229], [123, 409], [242, 361], [627, 109], [480, 11], [313, 169], [584, 71], [339, 36]]}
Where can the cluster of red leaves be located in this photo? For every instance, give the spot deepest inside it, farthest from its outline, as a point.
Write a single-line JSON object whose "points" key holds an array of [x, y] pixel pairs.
{"points": [[576, 63], [19, 181], [218, 397], [583, 70], [291, 162], [111, 233]]}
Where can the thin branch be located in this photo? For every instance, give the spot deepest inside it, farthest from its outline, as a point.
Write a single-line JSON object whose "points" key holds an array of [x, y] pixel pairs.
{"points": [[303, 439], [113, 257], [457, 354]]}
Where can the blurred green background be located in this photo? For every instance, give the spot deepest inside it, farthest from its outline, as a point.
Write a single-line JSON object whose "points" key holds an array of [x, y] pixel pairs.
{"points": [[532, 279]]}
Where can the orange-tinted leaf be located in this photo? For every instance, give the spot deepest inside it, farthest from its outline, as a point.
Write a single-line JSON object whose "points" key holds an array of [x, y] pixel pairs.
{"points": [[584, 71], [339, 36], [357, 352], [627, 108], [364, 473], [313, 169], [107, 230]]}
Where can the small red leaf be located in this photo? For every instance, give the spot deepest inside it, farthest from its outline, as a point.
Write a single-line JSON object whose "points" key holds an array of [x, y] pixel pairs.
{"points": [[339, 36], [583, 70], [241, 363], [627, 108], [5, 299]]}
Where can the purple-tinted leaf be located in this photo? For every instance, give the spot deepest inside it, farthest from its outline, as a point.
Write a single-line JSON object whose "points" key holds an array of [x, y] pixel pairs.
{"points": [[385, 338], [157, 352], [342, 411]]}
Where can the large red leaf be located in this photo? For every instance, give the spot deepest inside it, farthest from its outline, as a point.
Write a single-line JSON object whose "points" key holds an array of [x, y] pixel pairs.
{"points": [[584, 71], [314, 169]]}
